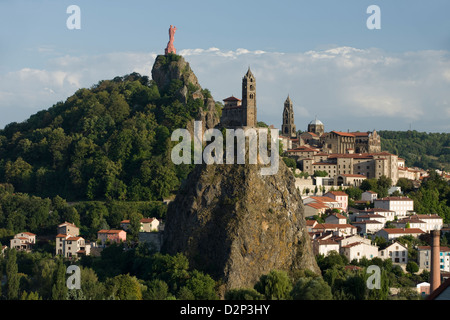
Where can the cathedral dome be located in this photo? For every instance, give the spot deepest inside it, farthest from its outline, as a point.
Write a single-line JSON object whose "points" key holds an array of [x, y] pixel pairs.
{"points": [[316, 122]]}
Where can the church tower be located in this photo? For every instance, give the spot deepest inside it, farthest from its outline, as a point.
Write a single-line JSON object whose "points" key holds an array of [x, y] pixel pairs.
{"points": [[249, 100], [288, 126]]}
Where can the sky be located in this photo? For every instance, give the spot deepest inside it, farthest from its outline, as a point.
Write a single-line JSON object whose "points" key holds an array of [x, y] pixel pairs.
{"points": [[321, 53]]}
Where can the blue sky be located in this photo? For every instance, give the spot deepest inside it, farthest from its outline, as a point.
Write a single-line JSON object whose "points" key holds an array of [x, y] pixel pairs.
{"points": [[319, 52]]}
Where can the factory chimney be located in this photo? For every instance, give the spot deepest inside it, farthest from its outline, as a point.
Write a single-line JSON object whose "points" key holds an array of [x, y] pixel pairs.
{"points": [[435, 275]]}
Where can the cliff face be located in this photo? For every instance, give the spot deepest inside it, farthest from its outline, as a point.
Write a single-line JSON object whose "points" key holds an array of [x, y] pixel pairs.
{"points": [[170, 68], [236, 225]]}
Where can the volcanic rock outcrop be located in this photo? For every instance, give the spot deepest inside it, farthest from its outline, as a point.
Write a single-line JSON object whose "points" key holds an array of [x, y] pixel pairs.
{"points": [[237, 225]]}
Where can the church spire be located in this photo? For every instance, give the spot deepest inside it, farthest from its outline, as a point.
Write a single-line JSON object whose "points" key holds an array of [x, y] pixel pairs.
{"points": [[288, 126]]}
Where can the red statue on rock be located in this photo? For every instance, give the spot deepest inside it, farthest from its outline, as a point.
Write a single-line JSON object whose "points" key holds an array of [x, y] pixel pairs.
{"points": [[170, 48]]}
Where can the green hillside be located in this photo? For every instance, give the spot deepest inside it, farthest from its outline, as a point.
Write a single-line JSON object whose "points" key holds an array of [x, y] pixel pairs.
{"points": [[108, 142], [419, 149]]}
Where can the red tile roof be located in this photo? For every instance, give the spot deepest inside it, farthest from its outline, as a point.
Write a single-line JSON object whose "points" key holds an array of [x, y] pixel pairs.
{"points": [[338, 193], [402, 230], [317, 205], [232, 98], [344, 134], [333, 226]]}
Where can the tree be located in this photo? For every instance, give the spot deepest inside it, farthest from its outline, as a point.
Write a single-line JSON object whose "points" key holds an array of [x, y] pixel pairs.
{"points": [[311, 289], [412, 267], [275, 285], [91, 287], [30, 296], [354, 193], [320, 173], [202, 286], [290, 162], [13, 278], [369, 184], [157, 290], [59, 289], [124, 287]]}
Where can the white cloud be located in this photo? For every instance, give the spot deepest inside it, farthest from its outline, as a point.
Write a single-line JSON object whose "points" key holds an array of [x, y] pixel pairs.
{"points": [[345, 87]]}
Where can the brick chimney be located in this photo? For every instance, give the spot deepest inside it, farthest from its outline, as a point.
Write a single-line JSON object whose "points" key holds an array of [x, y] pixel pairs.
{"points": [[435, 275]]}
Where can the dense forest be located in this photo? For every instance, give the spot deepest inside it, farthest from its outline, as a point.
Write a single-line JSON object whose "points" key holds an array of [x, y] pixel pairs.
{"points": [[419, 149], [109, 142]]}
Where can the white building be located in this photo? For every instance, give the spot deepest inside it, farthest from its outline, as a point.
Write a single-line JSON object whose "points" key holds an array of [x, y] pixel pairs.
{"points": [[352, 239], [396, 251], [358, 250], [388, 214], [422, 221], [433, 221], [23, 241], [336, 229], [394, 233], [368, 226], [71, 247], [371, 216], [325, 246], [147, 224], [336, 218], [369, 196], [400, 205], [424, 258]]}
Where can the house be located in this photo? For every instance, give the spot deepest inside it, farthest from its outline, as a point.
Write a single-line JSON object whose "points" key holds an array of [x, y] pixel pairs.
{"points": [[423, 289], [400, 205], [71, 246], [327, 201], [358, 250], [314, 208], [339, 196], [424, 256], [147, 224], [388, 214], [426, 222], [393, 233], [336, 218], [310, 224], [408, 222], [68, 242], [23, 241], [336, 229], [397, 252], [433, 221], [116, 236], [352, 239], [371, 216], [68, 228], [368, 226], [369, 196], [325, 246]]}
